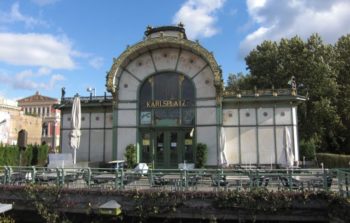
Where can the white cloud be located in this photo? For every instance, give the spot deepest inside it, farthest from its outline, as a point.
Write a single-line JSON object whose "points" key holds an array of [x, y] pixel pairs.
{"points": [[96, 62], [30, 80], [278, 19], [199, 18], [32, 49], [16, 16]]}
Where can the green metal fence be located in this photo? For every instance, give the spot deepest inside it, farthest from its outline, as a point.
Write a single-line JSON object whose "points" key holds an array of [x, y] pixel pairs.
{"points": [[336, 180]]}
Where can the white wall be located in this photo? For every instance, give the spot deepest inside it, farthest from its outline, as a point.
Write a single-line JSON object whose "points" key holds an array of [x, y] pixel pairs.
{"points": [[232, 145], [259, 123], [165, 59], [189, 63], [204, 83], [100, 136], [126, 136], [208, 136], [266, 145], [206, 116]]}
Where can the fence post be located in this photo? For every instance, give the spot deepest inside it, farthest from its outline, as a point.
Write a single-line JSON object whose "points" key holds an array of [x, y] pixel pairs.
{"points": [[7, 175], [185, 179], [290, 179], [89, 177], [325, 183], [121, 179], [33, 174]]}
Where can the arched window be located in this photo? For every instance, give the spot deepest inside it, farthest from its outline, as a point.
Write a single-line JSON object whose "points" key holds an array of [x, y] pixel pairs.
{"points": [[167, 99]]}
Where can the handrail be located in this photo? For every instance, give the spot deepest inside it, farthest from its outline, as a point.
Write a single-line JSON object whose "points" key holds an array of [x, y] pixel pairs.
{"points": [[337, 180]]}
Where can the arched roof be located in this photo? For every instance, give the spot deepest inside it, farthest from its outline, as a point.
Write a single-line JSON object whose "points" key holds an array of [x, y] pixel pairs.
{"points": [[149, 44]]}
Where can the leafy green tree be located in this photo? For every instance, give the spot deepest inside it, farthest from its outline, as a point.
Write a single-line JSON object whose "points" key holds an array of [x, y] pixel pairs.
{"points": [[342, 65], [240, 81]]}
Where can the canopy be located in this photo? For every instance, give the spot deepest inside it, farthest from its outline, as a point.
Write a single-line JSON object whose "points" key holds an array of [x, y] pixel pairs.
{"points": [[222, 142], [74, 136], [288, 147]]}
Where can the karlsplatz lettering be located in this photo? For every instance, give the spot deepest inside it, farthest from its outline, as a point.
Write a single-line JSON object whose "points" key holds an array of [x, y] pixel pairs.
{"points": [[166, 103]]}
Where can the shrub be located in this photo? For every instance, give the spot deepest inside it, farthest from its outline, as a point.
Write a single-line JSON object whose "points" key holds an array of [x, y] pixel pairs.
{"points": [[333, 160], [201, 155], [11, 156], [130, 155], [33, 155], [27, 156], [42, 153], [308, 149]]}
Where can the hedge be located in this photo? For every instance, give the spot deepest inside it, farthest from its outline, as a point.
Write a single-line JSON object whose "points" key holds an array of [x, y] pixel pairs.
{"points": [[33, 155], [330, 160]]}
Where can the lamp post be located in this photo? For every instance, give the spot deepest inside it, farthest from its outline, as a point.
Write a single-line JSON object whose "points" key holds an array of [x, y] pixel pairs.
{"points": [[92, 91]]}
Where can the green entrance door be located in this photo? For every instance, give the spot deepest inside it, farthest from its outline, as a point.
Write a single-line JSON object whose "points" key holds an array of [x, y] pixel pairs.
{"points": [[167, 148]]}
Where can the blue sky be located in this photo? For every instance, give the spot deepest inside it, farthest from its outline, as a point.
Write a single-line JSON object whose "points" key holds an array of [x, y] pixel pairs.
{"points": [[48, 44]]}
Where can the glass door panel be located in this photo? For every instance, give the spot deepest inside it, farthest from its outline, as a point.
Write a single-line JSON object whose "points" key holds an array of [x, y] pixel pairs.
{"points": [[188, 146], [173, 149], [146, 149], [160, 150]]}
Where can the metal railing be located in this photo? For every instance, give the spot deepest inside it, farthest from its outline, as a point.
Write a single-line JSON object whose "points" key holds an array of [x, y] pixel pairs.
{"points": [[336, 180]]}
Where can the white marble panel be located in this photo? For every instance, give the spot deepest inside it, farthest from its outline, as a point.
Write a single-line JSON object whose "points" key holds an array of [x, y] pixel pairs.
{"points": [[206, 116], [85, 120], [204, 83], [283, 116], [127, 105], [266, 145], [108, 145], [126, 117], [66, 120], [206, 102], [165, 59], [128, 86], [265, 116], [208, 136], [248, 145], [83, 151], [126, 136], [230, 116], [109, 120], [96, 146], [141, 66], [189, 63], [247, 116], [65, 141], [232, 145], [97, 120]]}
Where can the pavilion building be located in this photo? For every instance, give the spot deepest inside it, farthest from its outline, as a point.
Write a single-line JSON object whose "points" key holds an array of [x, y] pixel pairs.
{"points": [[167, 95]]}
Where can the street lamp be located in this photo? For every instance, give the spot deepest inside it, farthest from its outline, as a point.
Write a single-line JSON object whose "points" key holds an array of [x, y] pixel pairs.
{"points": [[92, 91]]}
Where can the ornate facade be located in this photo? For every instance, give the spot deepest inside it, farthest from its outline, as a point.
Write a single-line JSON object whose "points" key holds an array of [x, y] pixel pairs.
{"points": [[12, 120], [168, 96], [43, 107]]}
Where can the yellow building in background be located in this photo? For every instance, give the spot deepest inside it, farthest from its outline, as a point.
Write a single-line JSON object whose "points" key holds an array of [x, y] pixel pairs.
{"points": [[13, 119]]}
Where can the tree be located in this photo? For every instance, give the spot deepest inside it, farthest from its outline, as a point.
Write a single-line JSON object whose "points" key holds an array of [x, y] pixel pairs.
{"points": [[342, 64], [237, 82]]}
